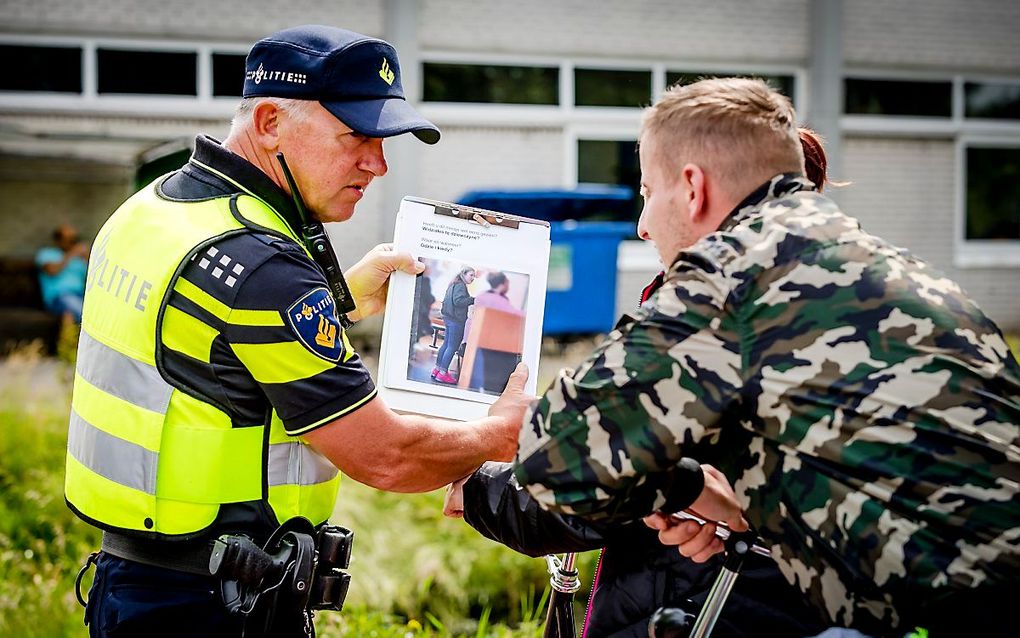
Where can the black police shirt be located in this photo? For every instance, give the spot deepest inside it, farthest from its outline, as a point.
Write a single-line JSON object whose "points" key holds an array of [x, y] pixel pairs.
{"points": [[263, 305]]}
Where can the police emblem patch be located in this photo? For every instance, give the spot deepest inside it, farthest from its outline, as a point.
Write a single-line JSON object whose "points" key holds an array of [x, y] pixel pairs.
{"points": [[313, 319]]}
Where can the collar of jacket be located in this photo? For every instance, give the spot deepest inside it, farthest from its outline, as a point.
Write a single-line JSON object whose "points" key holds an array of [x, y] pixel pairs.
{"points": [[212, 157], [779, 186], [650, 289]]}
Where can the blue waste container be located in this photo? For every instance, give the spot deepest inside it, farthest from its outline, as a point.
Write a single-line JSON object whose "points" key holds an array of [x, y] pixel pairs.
{"points": [[581, 293]]}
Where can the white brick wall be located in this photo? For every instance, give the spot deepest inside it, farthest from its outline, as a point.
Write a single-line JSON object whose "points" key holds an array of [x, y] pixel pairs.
{"points": [[903, 191], [471, 158], [759, 30], [228, 20], [940, 34], [39, 195]]}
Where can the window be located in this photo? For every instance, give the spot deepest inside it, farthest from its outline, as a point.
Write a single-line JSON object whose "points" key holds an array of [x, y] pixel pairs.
{"points": [[992, 194], [227, 74], [609, 87], [989, 100], [147, 72], [611, 162], [785, 84], [50, 69], [490, 84], [896, 97]]}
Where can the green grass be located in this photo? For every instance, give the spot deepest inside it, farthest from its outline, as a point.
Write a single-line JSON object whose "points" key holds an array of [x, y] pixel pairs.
{"points": [[1013, 341], [41, 542], [414, 573]]}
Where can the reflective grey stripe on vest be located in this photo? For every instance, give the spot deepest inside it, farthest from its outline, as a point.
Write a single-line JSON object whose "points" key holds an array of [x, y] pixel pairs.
{"points": [[298, 464], [122, 462], [128, 379]]}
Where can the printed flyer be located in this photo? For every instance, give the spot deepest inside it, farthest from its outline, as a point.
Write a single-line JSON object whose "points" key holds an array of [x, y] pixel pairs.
{"points": [[453, 334]]}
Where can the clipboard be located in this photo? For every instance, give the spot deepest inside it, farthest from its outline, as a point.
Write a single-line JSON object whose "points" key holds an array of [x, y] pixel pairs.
{"points": [[508, 256]]}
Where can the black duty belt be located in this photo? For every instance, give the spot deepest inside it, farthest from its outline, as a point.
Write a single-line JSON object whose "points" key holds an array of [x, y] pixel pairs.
{"points": [[184, 556]]}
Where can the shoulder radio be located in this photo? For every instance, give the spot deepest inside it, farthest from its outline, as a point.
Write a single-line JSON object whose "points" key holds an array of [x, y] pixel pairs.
{"points": [[313, 233]]}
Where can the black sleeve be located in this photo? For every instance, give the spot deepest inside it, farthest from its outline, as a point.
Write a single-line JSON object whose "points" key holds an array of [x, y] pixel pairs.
{"points": [[302, 359], [496, 506], [461, 297]]}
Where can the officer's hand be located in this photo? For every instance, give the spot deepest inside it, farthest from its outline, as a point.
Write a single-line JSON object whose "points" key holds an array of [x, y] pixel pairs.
{"points": [[510, 407], [453, 502], [369, 278]]}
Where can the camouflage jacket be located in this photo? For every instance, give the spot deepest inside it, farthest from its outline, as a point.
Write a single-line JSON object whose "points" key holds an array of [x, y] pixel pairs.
{"points": [[864, 409]]}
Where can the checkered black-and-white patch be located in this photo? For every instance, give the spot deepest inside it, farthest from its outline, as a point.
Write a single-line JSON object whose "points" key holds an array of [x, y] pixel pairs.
{"points": [[218, 264]]}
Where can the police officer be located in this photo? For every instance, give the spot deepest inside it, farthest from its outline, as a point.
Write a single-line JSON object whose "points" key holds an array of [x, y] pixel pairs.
{"points": [[863, 407], [216, 390]]}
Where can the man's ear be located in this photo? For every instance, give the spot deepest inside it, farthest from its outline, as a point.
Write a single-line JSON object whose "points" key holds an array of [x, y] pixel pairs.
{"points": [[694, 190], [266, 125]]}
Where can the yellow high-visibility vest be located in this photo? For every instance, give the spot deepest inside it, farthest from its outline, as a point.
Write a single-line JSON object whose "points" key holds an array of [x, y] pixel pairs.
{"points": [[144, 456]]}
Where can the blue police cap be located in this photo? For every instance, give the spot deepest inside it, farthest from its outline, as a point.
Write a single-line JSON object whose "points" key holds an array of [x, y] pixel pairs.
{"points": [[355, 77]]}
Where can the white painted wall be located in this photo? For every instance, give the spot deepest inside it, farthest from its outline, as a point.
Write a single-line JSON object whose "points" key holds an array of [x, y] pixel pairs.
{"points": [[224, 20], [979, 35], [762, 30]]}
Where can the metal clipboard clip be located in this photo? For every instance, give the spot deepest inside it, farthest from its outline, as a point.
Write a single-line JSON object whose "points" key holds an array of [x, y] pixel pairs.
{"points": [[480, 216]]}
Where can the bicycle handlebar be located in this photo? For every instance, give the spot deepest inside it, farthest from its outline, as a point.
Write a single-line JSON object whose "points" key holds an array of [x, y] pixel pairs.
{"points": [[722, 531]]}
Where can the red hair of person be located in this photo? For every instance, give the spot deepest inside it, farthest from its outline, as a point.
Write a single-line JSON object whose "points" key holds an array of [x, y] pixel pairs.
{"points": [[815, 163]]}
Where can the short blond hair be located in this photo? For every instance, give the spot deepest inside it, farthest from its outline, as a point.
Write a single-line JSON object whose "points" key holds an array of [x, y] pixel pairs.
{"points": [[738, 130]]}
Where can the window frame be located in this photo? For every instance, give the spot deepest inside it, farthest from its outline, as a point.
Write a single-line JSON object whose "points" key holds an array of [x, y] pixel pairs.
{"points": [[91, 102], [914, 125], [616, 65], [905, 77], [905, 125], [504, 63], [566, 114], [963, 132], [131, 49], [205, 66], [55, 42], [986, 79], [979, 253]]}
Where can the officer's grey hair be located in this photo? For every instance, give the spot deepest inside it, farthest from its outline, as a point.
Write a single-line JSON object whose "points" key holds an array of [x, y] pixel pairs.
{"points": [[737, 129], [300, 110]]}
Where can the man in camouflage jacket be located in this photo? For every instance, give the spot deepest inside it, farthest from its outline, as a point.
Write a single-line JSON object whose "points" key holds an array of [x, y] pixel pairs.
{"points": [[865, 409]]}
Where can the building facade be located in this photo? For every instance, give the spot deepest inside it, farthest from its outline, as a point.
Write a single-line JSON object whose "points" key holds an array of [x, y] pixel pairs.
{"points": [[919, 101]]}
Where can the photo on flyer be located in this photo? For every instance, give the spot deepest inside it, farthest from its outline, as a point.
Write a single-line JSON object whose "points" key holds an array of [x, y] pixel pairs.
{"points": [[453, 334], [468, 325]]}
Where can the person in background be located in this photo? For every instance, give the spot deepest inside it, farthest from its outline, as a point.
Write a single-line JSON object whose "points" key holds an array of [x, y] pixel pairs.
{"points": [[495, 297], [62, 271], [455, 310], [423, 300]]}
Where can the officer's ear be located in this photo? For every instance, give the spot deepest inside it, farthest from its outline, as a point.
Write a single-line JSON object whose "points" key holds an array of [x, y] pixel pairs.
{"points": [[266, 124]]}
